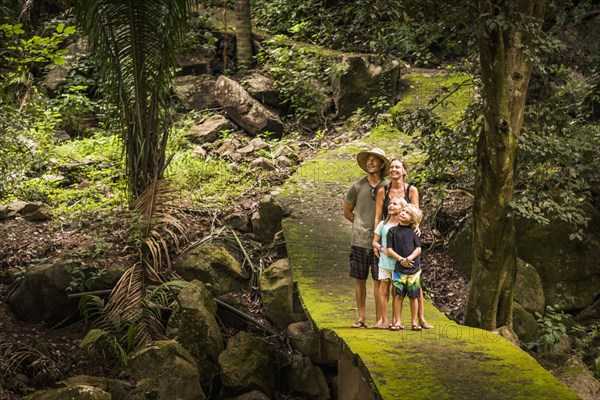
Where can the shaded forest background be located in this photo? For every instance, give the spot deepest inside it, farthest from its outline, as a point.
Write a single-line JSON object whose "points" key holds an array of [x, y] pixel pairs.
{"points": [[557, 178]]}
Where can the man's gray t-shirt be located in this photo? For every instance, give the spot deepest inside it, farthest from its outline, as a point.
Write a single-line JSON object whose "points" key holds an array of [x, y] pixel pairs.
{"points": [[362, 195]]}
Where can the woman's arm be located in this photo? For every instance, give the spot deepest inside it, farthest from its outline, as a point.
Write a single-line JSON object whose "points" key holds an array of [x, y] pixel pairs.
{"points": [[379, 205], [413, 196]]}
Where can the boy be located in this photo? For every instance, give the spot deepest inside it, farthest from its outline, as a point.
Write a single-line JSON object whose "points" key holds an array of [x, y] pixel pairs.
{"points": [[404, 246]]}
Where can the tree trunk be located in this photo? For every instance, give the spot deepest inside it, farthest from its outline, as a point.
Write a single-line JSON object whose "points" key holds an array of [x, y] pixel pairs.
{"points": [[243, 33], [505, 34]]}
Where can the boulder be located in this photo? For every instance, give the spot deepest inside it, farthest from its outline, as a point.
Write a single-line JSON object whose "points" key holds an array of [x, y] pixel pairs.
{"points": [[263, 89], [246, 365], [253, 395], [215, 266], [118, 389], [568, 268], [42, 293], [304, 378], [529, 291], [196, 92], [164, 370], [208, 131], [575, 374], [238, 221], [36, 211], [267, 221], [246, 111], [303, 338], [276, 288], [195, 63], [524, 324], [363, 78], [81, 392], [193, 324], [569, 278]]}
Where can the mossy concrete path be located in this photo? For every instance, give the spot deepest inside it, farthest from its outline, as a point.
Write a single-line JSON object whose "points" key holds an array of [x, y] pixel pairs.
{"points": [[448, 362]]}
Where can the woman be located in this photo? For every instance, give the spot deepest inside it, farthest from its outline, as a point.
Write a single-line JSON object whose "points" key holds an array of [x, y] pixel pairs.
{"points": [[399, 188]]}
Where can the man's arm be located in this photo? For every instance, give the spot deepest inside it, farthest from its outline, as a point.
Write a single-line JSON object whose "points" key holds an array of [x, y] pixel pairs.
{"points": [[349, 211]]}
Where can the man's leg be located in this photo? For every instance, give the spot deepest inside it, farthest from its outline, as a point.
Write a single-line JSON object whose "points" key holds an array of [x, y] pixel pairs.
{"points": [[360, 291]]}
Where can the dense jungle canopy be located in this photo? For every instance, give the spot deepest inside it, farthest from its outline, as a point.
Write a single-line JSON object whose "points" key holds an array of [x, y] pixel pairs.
{"points": [[525, 145]]}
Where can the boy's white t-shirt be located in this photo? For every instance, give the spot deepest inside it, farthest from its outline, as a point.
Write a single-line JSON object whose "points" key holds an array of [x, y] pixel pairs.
{"points": [[385, 262]]}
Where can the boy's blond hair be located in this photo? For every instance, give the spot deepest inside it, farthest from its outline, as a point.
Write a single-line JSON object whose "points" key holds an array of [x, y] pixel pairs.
{"points": [[415, 214]]}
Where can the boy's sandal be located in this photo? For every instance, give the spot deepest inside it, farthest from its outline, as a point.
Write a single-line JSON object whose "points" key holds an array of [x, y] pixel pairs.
{"points": [[396, 327], [359, 324], [427, 325], [416, 327]]}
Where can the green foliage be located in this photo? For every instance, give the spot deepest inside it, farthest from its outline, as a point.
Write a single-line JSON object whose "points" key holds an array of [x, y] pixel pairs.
{"points": [[85, 269], [111, 338], [552, 327], [300, 74], [558, 165], [21, 53], [412, 30], [200, 35]]}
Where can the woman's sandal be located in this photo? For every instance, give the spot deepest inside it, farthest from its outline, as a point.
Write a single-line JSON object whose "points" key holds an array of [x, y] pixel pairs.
{"points": [[427, 325], [359, 324], [396, 327], [416, 327]]}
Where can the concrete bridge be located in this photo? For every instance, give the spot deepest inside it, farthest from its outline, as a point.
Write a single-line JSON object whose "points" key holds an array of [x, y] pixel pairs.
{"points": [[448, 362]]}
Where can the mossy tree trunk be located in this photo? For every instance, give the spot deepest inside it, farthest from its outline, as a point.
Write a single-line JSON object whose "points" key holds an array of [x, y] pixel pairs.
{"points": [[506, 29], [243, 33]]}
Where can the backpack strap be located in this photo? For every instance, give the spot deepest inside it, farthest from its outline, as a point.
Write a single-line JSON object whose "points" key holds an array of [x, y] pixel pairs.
{"points": [[407, 193]]}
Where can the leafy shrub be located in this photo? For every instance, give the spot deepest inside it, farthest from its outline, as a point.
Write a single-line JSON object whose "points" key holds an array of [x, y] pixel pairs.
{"points": [[301, 76]]}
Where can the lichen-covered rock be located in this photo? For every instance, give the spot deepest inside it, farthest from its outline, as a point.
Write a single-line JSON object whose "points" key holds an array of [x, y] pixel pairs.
{"points": [[208, 131], [364, 78], [80, 392], [196, 92], [164, 370], [267, 221], [529, 291], [245, 110], [246, 365], [253, 395], [215, 266], [276, 288], [524, 324], [42, 293], [301, 376], [193, 324]]}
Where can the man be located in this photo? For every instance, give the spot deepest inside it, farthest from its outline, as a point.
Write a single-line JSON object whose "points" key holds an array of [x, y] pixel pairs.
{"points": [[359, 208]]}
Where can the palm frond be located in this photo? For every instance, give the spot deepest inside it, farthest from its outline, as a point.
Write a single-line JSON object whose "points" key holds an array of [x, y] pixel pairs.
{"points": [[134, 44]]}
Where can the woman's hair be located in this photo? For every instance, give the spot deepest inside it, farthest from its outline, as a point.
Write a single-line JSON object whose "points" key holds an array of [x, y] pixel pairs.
{"points": [[403, 204], [415, 214]]}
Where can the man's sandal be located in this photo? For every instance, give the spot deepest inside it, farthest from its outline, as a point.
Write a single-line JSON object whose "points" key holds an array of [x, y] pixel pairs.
{"points": [[396, 327], [359, 324], [427, 325], [416, 327]]}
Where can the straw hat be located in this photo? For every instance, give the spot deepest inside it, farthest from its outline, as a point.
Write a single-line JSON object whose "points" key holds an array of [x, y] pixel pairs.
{"points": [[361, 158]]}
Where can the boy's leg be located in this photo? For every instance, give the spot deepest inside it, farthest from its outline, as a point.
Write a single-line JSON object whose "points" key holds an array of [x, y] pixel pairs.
{"points": [[397, 309], [414, 305]]}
